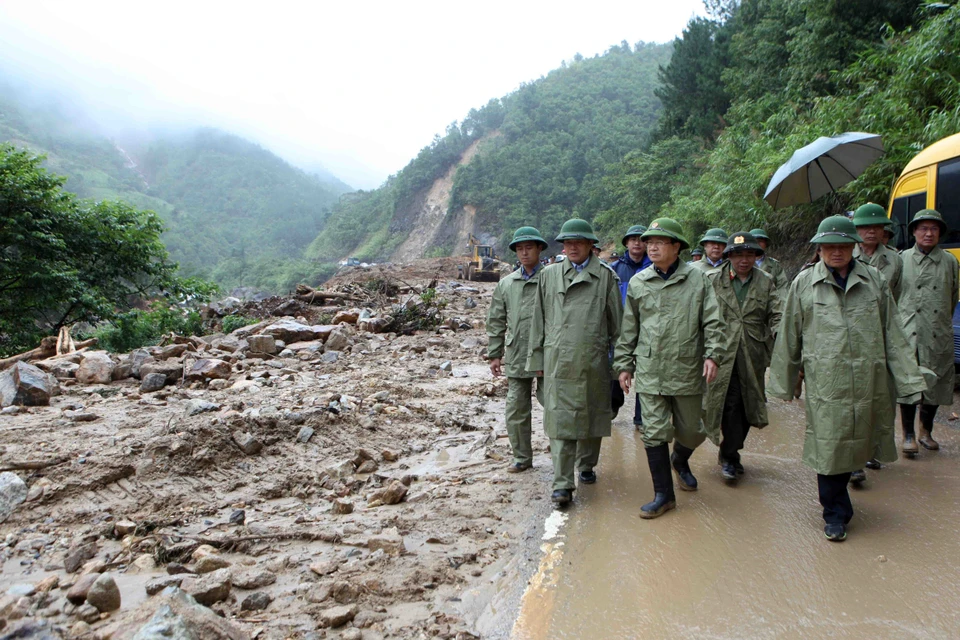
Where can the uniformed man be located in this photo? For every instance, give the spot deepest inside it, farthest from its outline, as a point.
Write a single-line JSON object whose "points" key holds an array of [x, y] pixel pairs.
{"points": [[889, 233], [696, 255], [750, 312], [713, 242], [670, 345], [871, 221], [927, 300], [576, 319], [633, 260], [768, 263], [508, 331], [841, 327]]}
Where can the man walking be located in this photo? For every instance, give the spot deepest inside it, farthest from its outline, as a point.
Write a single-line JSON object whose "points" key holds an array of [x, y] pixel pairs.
{"points": [[714, 241], [871, 221], [626, 267], [750, 312], [927, 300], [576, 319], [508, 331], [770, 264], [669, 346], [841, 327]]}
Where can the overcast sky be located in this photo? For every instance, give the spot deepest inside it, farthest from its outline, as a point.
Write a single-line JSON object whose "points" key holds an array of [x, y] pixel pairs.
{"points": [[360, 87]]}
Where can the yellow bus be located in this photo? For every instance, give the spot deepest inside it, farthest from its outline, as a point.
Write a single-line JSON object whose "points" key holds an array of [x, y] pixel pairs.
{"points": [[931, 181]]}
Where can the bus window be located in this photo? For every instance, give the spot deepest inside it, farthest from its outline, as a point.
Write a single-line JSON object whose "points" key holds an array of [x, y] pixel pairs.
{"points": [[948, 200], [902, 210]]}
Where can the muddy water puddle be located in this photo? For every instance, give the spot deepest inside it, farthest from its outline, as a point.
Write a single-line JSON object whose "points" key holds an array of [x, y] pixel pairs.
{"points": [[751, 561]]}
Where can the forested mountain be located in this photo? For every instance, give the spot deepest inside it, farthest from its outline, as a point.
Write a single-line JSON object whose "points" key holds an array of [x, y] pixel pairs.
{"points": [[758, 79], [535, 156], [234, 212]]}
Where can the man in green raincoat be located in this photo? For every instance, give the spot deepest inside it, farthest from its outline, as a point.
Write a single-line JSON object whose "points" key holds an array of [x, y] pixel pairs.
{"points": [[841, 327], [770, 264], [713, 242], [576, 319], [871, 222], [669, 346], [750, 311], [508, 330], [927, 301]]}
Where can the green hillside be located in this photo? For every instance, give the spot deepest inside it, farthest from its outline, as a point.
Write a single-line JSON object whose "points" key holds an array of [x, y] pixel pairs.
{"points": [[557, 138], [234, 212]]}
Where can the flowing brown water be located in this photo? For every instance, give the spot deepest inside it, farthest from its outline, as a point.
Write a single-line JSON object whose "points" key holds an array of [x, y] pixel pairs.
{"points": [[751, 561]]}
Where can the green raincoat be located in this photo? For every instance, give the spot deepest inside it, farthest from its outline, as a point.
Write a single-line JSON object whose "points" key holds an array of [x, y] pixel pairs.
{"points": [[576, 319], [747, 333], [848, 343], [926, 307], [703, 265], [669, 328], [777, 272], [508, 322], [888, 262]]}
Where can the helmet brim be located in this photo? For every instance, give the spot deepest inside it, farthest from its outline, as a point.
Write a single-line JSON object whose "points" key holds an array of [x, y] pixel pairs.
{"points": [[537, 239], [660, 233]]}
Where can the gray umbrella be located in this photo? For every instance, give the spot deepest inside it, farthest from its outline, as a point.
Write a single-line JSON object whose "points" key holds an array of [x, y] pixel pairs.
{"points": [[824, 165]]}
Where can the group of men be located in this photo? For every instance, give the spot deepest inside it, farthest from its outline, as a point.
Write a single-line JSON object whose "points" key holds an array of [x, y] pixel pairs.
{"points": [[693, 342]]}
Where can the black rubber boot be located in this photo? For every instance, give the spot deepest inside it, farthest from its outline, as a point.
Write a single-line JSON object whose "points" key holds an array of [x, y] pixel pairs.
{"points": [[681, 465], [663, 499], [858, 477], [908, 415], [927, 413]]}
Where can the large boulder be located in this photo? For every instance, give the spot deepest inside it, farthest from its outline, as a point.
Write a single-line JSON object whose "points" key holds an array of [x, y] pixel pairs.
{"points": [[25, 384], [291, 331], [95, 368], [172, 369], [175, 615], [336, 341], [137, 359], [262, 343], [209, 369]]}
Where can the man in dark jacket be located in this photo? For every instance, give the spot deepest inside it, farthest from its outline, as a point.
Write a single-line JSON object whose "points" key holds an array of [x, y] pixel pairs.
{"points": [[634, 259]]}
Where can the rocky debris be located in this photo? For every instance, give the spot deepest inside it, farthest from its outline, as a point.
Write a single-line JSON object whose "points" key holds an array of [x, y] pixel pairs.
{"points": [[77, 556], [238, 517], [256, 601], [389, 540], [247, 443], [13, 491], [104, 593], [210, 563], [207, 369], [254, 579], [389, 456], [391, 494], [153, 382], [157, 585], [87, 613], [291, 331], [210, 588], [77, 594], [330, 357], [338, 616], [446, 366], [48, 584], [171, 369], [96, 368], [195, 406], [174, 615], [352, 633], [262, 343], [336, 341], [342, 506], [80, 416], [26, 385]]}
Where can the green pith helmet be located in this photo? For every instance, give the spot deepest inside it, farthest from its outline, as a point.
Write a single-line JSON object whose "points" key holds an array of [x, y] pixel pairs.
{"points": [[742, 241], [870, 214], [697, 252], [928, 214], [635, 230], [759, 234], [836, 230], [714, 235], [667, 228], [577, 229], [527, 234]]}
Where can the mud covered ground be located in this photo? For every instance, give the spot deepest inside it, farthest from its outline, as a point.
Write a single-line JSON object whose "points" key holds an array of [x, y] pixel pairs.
{"points": [[273, 482]]}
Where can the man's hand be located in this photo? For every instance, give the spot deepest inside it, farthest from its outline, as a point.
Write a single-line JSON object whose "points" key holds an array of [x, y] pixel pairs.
{"points": [[495, 367], [710, 370], [626, 379]]}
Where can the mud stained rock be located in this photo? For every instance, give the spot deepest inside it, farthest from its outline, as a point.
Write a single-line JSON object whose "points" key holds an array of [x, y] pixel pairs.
{"points": [[209, 589], [338, 616], [174, 615], [13, 491], [25, 384], [104, 593]]}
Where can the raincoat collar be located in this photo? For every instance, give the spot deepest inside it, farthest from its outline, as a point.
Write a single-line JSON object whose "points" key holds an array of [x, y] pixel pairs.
{"points": [[518, 274], [934, 254], [823, 273], [676, 275]]}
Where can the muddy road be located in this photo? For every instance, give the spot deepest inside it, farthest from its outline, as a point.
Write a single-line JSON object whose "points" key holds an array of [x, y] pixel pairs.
{"points": [[751, 561]]}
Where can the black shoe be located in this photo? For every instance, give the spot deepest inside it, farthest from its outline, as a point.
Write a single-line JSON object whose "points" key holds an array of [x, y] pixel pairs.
{"points": [[687, 481], [518, 467], [660, 505], [588, 477], [738, 467], [728, 471], [835, 532], [874, 464], [562, 496], [858, 477]]}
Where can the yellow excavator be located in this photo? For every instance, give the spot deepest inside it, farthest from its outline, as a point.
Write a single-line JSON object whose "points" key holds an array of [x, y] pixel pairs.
{"points": [[483, 264]]}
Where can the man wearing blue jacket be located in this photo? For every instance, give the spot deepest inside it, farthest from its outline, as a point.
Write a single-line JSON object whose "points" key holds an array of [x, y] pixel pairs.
{"points": [[633, 260]]}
